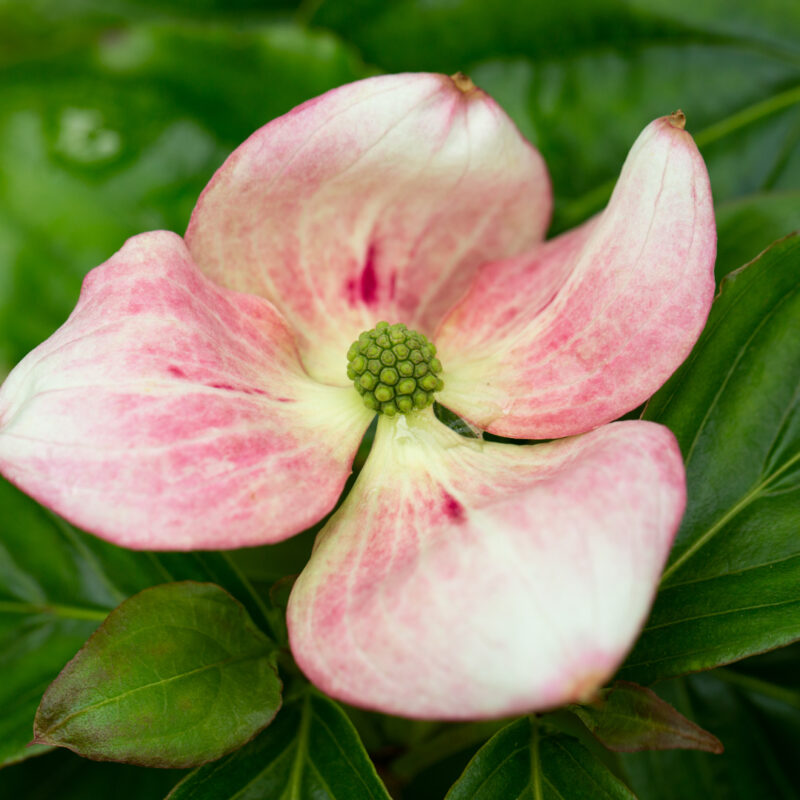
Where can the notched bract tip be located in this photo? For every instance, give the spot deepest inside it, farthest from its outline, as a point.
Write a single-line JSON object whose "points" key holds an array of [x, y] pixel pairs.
{"points": [[463, 82], [677, 119]]}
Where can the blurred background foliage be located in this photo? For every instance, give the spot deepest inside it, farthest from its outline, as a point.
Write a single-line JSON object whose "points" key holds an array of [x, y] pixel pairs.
{"points": [[115, 113]]}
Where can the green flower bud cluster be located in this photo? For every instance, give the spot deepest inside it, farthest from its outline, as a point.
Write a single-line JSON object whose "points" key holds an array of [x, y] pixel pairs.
{"points": [[394, 369]]}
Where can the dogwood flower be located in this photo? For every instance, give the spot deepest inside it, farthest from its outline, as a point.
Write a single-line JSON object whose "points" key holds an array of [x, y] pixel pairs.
{"points": [[200, 395]]}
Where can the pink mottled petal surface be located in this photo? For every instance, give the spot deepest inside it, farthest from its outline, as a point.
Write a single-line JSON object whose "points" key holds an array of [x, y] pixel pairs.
{"points": [[588, 326], [169, 413], [466, 579], [377, 200]]}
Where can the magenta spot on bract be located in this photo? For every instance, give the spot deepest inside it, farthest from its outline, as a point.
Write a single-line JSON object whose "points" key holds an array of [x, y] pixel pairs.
{"points": [[369, 278], [392, 285], [176, 372], [228, 387], [452, 508]]}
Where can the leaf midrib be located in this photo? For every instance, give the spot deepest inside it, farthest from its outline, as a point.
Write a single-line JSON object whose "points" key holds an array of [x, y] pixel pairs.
{"points": [[654, 724], [161, 682], [296, 776], [750, 497], [722, 613], [536, 768]]}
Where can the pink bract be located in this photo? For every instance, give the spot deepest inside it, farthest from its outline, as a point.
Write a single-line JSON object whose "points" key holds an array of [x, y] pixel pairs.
{"points": [[197, 395]]}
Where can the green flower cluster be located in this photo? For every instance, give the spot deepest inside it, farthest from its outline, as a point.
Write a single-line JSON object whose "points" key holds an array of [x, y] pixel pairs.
{"points": [[394, 369]]}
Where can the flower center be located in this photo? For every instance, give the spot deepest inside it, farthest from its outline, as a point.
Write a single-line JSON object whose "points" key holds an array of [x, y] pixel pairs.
{"points": [[394, 369]]}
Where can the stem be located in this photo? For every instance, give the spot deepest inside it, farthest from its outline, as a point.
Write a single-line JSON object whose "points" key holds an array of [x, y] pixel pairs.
{"points": [[751, 684], [256, 597], [452, 740], [68, 612], [747, 116]]}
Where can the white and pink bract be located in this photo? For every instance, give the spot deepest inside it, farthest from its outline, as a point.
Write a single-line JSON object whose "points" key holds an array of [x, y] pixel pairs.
{"points": [[197, 395]]}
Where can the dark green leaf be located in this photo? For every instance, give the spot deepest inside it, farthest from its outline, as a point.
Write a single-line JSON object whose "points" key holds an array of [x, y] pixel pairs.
{"points": [[311, 750], [746, 227], [427, 751], [65, 776], [56, 586], [628, 718], [730, 588], [779, 667], [418, 34], [759, 724], [522, 762], [176, 676]]}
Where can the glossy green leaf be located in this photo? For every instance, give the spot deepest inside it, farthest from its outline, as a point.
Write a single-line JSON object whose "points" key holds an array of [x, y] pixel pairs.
{"points": [[628, 718], [56, 586], [311, 750], [176, 676], [730, 588], [524, 763], [758, 722]]}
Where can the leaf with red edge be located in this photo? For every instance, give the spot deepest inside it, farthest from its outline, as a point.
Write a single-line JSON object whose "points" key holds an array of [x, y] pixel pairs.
{"points": [[176, 676], [628, 718]]}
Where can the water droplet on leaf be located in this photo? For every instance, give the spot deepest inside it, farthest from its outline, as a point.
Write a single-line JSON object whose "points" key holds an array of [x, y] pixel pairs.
{"points": [[82, 137]]}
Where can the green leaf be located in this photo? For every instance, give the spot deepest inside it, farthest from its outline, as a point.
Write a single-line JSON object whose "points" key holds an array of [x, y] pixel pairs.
{"points": [[628, 718], [56, 586], [176, 676], [311, 750], [759, 724], [523, 762], [730, 588]]}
